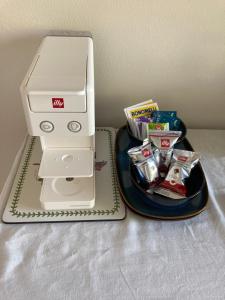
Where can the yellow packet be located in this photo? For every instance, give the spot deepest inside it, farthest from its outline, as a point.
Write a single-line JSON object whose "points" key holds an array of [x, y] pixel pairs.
{"points": [[142, 111], [127, 109]]}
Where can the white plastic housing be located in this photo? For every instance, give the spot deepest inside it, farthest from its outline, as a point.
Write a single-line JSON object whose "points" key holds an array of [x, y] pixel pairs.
{"points": [[58, 100], [59, 87]]}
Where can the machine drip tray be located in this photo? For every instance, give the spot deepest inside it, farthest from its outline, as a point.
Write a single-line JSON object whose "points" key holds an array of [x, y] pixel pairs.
{"points": [[68, 193]]}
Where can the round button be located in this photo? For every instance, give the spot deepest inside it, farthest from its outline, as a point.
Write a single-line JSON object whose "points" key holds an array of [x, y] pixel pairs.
{"points": [[46, 126], [74, 126]]}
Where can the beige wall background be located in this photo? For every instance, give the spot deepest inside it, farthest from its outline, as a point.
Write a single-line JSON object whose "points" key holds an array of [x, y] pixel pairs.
{"points": [[172, 51]]}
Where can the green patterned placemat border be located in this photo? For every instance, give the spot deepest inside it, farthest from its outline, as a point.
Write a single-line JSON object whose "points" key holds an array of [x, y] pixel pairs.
{"points": [[61, 213]]}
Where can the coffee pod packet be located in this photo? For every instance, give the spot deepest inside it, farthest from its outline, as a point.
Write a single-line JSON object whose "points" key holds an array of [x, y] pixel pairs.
{"points": [[181, 165], [144, 160], [164, 141], [156, 153], [149, 170], [140, 153], [170, 117]]}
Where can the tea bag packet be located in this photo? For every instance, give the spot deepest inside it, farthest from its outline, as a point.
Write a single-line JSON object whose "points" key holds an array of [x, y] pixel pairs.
{"points": [[167, 117], [127, 109], [142, 111], [135, 114], [158, 126], [181, 165], [141, 127], [164, 141], [137, 105], [144, 160]]}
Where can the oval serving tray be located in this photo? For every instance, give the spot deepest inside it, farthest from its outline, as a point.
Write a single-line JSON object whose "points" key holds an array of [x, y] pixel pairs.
{"points": [[136, 199]]}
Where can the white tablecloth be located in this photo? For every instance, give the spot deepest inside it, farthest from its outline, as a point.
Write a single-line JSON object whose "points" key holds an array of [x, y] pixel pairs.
{"points": [[136, 258]]}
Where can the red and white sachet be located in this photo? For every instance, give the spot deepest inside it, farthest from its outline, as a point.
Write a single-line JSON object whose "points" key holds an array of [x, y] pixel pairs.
{"points": [[182, 163]]}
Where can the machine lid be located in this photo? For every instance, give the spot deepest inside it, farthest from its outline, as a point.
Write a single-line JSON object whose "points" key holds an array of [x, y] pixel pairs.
{"points": [[60, 67], [66, 162]]}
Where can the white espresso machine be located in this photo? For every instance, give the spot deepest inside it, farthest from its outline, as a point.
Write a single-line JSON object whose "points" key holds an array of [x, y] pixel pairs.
{"points": [[58, 100]]}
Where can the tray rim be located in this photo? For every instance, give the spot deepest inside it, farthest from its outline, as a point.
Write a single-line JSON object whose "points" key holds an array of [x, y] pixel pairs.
{"points": [[152, 216]]}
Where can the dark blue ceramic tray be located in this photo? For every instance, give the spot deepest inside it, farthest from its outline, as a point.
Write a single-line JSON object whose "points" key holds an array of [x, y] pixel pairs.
{"points": [[136, 198]]}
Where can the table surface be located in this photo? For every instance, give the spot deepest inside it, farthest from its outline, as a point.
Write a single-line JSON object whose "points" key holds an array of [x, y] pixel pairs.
{"points": [[136, 258]]}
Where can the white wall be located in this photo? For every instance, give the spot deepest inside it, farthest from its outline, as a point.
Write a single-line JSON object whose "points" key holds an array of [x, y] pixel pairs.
{"points": [[173, 51]]}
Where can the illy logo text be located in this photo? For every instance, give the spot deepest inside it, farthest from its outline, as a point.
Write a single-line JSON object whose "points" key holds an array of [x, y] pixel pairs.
{"points": [[182, 158], [57, 102], [165, 143]]}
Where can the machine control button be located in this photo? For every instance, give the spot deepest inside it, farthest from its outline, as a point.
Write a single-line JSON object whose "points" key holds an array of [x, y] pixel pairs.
{"points": [[74, 126], [46, 126]]}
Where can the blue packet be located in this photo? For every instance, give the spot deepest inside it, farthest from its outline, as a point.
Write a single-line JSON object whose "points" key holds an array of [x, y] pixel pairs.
{"points": [[161, 116]]}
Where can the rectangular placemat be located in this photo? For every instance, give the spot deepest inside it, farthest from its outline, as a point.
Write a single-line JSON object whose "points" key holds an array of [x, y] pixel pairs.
{"points": [[23, 205]]}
